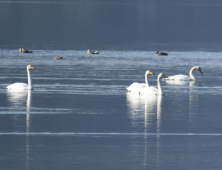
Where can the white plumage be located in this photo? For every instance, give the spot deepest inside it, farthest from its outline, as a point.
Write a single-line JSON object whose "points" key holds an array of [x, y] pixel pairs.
{"points": [[135, 87], [181, 77], [23, 86]]}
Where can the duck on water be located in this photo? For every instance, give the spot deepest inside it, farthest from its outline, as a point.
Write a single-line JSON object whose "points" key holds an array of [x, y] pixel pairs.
{"points": [[160, 53], [92, 52], [22, 50]]}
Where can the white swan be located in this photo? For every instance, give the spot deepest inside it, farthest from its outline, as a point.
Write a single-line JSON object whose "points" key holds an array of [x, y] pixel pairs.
{"points": [[135, 87], [23, 86], [181, 77], [154, 90]]}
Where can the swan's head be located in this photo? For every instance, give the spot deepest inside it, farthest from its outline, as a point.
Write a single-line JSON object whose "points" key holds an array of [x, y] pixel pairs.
{"points": [[149, 72], [199, 69], [30, 67], [161, 75]]}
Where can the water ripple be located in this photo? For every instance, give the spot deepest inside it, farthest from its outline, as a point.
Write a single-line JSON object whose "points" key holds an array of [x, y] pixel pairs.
{"points": [[108, 134]]}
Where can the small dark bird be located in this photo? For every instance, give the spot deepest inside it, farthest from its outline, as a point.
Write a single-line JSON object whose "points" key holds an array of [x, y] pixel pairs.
{"points": [[160, 53]]}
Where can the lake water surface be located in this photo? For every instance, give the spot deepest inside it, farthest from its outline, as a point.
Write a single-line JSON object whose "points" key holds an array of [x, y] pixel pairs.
{"points": [[80, 116]]}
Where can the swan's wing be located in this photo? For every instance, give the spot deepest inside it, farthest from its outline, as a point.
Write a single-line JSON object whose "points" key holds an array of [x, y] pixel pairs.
{"points": [[17, 86], [179, 77], [135, 87]]}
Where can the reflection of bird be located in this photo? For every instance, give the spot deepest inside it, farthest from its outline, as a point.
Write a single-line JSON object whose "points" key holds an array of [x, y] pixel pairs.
{"points": [[16, 99], [23, 86], [181, 77], [22, 50], [28, 101], [92, 52], [58, 58], [135, 87], [28, 124], [141, 104], [154, 90], [160, 53]]}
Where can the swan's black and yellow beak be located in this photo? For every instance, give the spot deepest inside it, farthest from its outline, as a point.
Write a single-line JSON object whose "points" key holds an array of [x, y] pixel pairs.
{"points": [[165, 76], [200, 71], [32, 67], [152, 73]]}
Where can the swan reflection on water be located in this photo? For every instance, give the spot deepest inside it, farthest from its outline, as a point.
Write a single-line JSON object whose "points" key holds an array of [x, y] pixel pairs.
{"points": [[140, 104], [20, 99], [146, 108], [193, 100]]}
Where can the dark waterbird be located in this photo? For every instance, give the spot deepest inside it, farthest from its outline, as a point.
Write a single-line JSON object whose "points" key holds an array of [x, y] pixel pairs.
{"points": [[160, 53], [58, 58], [22, 50], [92, 52]]}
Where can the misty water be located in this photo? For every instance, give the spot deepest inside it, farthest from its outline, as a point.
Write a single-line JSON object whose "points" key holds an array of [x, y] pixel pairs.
{"points": [[80, 115]]}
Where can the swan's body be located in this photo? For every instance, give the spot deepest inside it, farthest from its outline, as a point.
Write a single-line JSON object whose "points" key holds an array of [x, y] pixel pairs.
{"points": [[154, 90], [181, 77], [135, 87], [92, 52], [23, 86], [160, 53]]}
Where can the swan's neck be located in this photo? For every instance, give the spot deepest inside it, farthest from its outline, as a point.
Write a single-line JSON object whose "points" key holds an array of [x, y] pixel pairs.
{"points": [[160, 91], [191, 73], [29, 79], [146, 81]]}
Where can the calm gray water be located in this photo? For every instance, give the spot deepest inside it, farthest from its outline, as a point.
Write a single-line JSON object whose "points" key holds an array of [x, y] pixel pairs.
{"points": [[80, 115], [111, 24]]}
